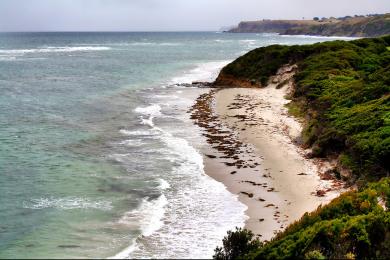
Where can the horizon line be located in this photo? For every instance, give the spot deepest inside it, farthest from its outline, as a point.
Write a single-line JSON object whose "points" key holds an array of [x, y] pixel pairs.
{"points": [[109, 31]]}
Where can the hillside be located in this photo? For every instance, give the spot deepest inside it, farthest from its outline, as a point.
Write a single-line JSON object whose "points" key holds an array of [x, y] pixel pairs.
{"points": [[359, 26], [354, 226], [342, 93]]}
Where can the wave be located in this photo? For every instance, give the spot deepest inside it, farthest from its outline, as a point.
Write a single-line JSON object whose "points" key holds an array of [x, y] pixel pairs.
{"points": [[187, 207], [148, 215], [67, 203], [54, 49], [149, 132], [153, 44], [152, 111], [184, 202], [132, 143], [163, 184], [248, 41], [202, 72]]}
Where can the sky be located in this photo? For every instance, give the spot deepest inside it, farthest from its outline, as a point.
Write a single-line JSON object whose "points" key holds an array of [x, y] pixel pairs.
{"points": [[167, 15]]}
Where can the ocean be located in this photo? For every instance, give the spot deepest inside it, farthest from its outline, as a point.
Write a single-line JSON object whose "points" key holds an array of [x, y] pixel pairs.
{"points": [[98, 155]]}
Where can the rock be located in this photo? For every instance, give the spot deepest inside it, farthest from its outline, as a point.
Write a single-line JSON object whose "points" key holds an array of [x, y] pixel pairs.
{"points": [[320, 193]]}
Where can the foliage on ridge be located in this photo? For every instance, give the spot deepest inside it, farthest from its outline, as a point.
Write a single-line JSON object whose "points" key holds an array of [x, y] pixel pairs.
{"points": [[342, 88], [354, 225]]}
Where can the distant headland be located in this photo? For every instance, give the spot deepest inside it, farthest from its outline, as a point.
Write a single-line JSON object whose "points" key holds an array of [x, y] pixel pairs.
{"points": [[372, 25]]}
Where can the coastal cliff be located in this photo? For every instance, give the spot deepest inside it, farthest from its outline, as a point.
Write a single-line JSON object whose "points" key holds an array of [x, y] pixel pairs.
{"points": [[341, 92], [358, 26]]}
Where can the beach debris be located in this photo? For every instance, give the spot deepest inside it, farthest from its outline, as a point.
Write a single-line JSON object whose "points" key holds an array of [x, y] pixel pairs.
{"points": [[250, 195], [320, 193]]}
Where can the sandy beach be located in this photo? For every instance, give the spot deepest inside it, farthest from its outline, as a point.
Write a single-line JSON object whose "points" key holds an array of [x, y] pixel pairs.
{"points": [[253, 151]]}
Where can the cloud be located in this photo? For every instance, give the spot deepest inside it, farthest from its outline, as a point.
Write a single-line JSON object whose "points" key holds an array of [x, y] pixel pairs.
{"points": [[130, 15]]}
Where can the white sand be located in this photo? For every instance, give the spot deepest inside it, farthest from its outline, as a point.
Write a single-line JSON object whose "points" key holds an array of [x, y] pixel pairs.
{"points": [[270, 132]]}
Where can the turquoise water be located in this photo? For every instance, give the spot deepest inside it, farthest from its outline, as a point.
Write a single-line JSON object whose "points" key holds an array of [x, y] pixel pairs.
{"points": [[97, 154]]}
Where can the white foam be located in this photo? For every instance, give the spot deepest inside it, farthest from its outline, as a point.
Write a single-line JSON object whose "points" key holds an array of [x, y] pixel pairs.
{"points": [[153, 109], [188, 207], [11, 58], [68, 203], [54, 49], [202, 72], [148, 215], [251, 42], [132, 143], [164, 184], [149, 132], [154, 44]]}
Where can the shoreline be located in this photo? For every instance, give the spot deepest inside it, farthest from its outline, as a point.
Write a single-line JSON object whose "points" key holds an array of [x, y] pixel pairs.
{"points": [[252, 151]]}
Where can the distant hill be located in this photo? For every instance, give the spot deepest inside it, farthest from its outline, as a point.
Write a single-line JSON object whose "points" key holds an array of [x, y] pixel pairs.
{"points": [[358, 26]]}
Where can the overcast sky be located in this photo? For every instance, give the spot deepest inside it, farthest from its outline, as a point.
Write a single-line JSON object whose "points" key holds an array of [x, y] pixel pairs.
{"points": [[166, 15]]}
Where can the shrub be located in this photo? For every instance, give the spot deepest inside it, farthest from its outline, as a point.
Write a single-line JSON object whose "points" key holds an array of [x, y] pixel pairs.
{"points": [[237, 243]]}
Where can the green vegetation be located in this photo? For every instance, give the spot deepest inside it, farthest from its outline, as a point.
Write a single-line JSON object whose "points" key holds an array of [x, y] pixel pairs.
{"points": [[342, 93], [235, 244], [356, 224], [342, 88]]}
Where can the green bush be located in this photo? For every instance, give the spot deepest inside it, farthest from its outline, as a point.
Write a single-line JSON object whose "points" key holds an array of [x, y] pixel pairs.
{"points": [[235, 244], [352, 225]]}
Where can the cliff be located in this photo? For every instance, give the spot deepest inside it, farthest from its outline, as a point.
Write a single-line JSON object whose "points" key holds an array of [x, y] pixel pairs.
{"points": [[360, 26]]}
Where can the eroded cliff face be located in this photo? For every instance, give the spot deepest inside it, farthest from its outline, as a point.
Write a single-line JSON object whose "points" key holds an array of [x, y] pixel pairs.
{"points": [[354, 26]]}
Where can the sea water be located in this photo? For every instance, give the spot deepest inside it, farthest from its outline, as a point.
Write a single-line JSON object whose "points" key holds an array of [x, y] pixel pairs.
{"points": [[98, 156]]}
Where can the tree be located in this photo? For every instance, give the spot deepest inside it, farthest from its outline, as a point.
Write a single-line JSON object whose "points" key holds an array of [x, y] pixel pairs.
{"points": [[236, 243], [316, 18]]}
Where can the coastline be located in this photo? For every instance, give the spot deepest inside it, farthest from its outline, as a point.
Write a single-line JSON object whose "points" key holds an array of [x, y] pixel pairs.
{"points": [[253, 153]]}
